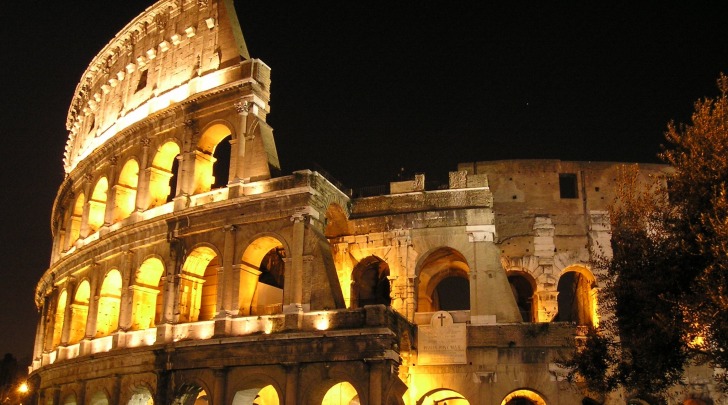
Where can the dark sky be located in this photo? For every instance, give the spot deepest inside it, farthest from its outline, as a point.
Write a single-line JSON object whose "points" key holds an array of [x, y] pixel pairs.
{"points": [[363, 89]]}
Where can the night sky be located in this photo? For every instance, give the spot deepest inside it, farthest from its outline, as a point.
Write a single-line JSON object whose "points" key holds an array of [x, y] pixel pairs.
{"points": [[364, 89]]}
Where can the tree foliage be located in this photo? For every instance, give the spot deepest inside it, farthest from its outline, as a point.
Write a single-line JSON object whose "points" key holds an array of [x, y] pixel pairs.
{"points": [[666, 285]]}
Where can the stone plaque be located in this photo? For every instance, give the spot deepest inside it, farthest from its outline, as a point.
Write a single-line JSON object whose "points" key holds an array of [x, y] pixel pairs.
{"points": [[442, 341]]}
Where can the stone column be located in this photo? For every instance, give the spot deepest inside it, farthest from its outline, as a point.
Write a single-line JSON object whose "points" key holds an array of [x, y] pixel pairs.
{"points": [[93, 303], [293, 290], [218, 391], [86, 206], [70, 292], [186, 175], [375, 381], [290, 392], [142, 196], [496, 303], [126, 305], [225, 274], [237, 158], [111, 192]]}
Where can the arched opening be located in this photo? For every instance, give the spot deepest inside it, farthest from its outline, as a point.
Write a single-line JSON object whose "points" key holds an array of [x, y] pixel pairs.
{"points": [[97, 205], [191, 395], [443, 282], [212, 159], [58, 321], [452, 293], [221, 165], [523, 397], [76, 217], [79, 312], [257, 396], [443, 396], [523, 292], [198, 285], [163, 175], [125, 191], [577, 297], [371, 283], [147, 294], [70, 399], [107, 319], [262, 277], [99, 398], [141, 396], [342, 393]]}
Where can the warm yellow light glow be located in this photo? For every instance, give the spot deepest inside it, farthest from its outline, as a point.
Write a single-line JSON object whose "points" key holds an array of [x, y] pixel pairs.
{"points": [[23, 388], [146, 294], [342, 393], [322, 322], [160, 174], [198, 285], [268, 325], [107, 318], [60, 313], [534, 397], [594, 308], [79, 312], [126, 191], [97, 205]]}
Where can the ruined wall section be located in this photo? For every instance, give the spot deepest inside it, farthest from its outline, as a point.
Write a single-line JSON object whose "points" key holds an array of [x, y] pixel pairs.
{"points": [[171, 51]]}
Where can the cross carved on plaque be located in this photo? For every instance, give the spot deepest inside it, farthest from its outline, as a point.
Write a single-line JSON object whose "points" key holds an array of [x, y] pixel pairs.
{"points": [[442, 319]]}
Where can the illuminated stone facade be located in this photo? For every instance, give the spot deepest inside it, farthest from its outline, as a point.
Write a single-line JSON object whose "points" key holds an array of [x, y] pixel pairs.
{"points": [[186, 270]]}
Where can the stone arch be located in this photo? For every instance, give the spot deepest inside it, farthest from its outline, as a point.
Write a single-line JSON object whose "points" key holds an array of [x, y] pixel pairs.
{"points": [[75, 219], [523, 396], [342, 393], [125, 191], [79, 312], [443, 396], [97, 205], [206, 169], [266, 395], [69, 399], [443, 281], [262, 276], [577, 296], [59, 318], [163, 174], [191, 394], [198, 285], [141, 396], [337, 223], [524, 287], [147, 294], [370, 283], [245, 388], [336, 390], [107, 318], [99, 398]]}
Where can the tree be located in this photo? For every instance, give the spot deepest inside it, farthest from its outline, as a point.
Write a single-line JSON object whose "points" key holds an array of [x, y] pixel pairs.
{"points": [[666, 286]]}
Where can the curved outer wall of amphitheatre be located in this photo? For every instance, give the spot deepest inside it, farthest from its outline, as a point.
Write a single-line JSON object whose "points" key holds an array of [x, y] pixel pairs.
{"points": [[186, 269]]}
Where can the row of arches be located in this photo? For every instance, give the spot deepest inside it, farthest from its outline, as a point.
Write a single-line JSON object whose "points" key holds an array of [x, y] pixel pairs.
{"points": [[139, 186], [337, 393], [444, 284], [575, 296], [334, 393], [142, 298]]}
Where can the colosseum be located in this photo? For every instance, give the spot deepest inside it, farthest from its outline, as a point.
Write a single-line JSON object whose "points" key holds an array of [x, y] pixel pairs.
{"points": [[186, 268]]}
